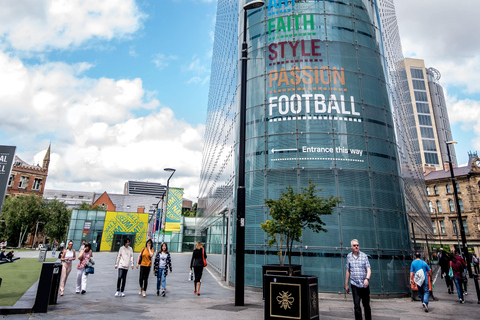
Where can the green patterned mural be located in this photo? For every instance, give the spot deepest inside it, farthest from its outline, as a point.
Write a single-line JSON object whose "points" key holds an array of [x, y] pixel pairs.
{"points": [[124, 223]]}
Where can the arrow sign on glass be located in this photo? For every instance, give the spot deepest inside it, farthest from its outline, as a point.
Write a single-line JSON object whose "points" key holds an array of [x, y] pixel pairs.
{"points": [[282, 150]]}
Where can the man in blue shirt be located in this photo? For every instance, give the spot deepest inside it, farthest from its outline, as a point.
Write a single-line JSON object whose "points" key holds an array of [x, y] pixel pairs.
{"points": [[423, 289], [359, 271]]}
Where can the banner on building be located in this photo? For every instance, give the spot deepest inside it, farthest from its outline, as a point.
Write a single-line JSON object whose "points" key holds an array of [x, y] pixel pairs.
{"points": [[7, 154], [174, 209]]}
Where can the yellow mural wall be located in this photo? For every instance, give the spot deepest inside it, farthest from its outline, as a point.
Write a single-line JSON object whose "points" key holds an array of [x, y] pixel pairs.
{"points": [[124, 223]]}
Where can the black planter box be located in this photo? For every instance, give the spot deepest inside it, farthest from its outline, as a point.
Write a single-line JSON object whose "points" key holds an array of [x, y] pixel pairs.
{"points": [[294, 297], [281, 270]]}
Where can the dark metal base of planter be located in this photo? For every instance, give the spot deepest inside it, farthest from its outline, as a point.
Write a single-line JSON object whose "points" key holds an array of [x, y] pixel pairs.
{"points": [[291, 297], [280, 270]]}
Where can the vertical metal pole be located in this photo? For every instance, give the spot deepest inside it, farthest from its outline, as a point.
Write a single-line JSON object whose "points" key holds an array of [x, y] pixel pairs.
{"points": [[414, 240], [223, 244], [459, 215], [240, 230]]}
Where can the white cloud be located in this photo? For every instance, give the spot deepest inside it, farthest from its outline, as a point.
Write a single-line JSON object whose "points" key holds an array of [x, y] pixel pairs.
{"points": [[36, 25], [97, 141], [162, 61]]}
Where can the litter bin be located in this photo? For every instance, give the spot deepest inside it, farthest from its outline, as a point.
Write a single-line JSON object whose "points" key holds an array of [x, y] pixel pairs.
{"points": [[42, 255], [47, 291]]}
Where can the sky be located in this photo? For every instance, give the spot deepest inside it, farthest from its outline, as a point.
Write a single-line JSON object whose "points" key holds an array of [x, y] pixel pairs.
{"points": [[119, 88]]}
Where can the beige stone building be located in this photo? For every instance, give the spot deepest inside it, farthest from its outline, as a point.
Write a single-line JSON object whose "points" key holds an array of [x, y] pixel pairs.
{"points": [[441, 203]]}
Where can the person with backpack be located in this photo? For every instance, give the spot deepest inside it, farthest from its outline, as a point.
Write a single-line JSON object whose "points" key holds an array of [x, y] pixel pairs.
{"points": [[419, 271], [457, 265]]}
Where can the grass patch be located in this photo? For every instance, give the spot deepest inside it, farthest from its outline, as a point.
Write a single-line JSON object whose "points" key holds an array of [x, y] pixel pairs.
{"points": [[18, 277]]}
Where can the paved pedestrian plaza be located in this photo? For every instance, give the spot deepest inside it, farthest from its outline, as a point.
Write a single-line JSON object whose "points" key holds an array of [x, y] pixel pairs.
{"points": [[217, 301]]}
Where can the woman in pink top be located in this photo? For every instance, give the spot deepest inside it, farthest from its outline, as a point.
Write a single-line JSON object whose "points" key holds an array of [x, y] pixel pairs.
{"points": [[84, 256]]}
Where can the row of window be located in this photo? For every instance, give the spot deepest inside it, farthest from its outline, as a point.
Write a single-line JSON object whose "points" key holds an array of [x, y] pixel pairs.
{"points": [[450, 205], [454, 223], [23, 183], [447, 187]]}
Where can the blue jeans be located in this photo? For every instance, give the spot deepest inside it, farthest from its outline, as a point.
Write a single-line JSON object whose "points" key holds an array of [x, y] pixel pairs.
{"points": [[161, 278], [424, 292], [458, 283]]}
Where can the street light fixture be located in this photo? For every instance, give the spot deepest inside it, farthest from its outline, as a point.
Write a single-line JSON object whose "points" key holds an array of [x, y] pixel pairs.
{"points": [[459, 214], [240, 229], [166, 206]]}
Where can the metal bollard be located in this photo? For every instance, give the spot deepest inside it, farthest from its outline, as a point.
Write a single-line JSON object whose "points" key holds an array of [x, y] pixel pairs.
{"points": [[475, 279]]}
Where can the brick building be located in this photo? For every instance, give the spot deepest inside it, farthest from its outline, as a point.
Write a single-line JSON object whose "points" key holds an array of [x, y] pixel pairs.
{"points": [[441, 203], [28, 178]]}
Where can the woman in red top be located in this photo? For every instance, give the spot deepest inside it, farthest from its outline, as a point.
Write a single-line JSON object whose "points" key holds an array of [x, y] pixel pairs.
{"points": [[458, 265], [85, 255]]}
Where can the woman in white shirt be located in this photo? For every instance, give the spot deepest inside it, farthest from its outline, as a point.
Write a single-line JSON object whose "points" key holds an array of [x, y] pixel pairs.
{"points": [[67, 257]]}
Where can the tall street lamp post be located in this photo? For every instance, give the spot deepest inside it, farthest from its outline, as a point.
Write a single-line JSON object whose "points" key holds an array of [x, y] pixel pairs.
{"points": [[240, 230], [166, 206], [459, 214]]}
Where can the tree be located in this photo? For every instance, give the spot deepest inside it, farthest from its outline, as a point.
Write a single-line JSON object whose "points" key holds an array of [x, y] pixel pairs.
{"points": [[87, 206], [58, 219], [294, 212], [21, 214]]}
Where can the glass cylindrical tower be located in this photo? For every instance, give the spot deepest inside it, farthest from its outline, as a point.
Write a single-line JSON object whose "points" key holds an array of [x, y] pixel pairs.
{"points": [[318, 109]]}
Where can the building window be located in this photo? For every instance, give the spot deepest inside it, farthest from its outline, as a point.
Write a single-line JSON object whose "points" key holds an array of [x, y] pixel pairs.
{"points": [[431, 158], [427, 132], [418, 85], [420, 96], [23, 183], [434, 227], [429, 145], [422, 107], [424, 120], [80, 197], [452, 208], [460, 203], [11, 179], [454, 223], [436, 189], [458, 187], [439, 207], [442, 227], [430, 206], [36, 184], [465, 227], [417, 73], [449, 190], [64, 195], [428, 191]]}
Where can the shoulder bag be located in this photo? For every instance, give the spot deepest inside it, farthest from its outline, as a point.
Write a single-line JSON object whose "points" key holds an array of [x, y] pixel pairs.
{"points": [[203, 256], [140, 257]]}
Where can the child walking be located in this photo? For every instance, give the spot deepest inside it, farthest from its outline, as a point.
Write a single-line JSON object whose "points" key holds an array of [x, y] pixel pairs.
{"points": [[163, 262]]}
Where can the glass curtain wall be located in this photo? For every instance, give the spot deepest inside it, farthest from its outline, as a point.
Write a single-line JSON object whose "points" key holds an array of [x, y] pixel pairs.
{"points": [[320, 108]]}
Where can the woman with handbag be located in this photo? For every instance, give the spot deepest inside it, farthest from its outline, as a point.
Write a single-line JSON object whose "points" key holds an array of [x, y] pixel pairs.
{"points": [[145, 262], [67, 257], [85, 256], [457, 265], [163, 262], [198, 262]]}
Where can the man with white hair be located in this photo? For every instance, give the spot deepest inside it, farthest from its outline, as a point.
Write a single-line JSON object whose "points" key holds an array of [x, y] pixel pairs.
{"points": [[359, 272]]}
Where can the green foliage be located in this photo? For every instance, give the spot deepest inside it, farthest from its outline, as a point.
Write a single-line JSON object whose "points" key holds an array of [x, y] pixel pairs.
{"points": [[292, 213], [57, 221], [21, 214], [87, 206], [188, 213]]}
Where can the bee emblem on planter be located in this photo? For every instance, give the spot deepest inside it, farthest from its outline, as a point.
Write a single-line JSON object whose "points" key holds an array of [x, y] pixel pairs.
{"points": [[314, 300], [285, 300]]}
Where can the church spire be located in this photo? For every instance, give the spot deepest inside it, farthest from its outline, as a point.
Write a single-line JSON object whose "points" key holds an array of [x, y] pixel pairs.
{"points": [[46, 159]]}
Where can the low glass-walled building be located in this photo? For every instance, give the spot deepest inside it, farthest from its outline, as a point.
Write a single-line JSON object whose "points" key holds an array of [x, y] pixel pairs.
{"points": [[319, 108]]}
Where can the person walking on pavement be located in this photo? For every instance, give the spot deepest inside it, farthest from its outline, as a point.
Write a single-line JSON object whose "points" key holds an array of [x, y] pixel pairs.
{"points": [[82, 246], [458, 266], [445, 266], [419, 271], [68, 255], [123, 261], [145, 262], [198, 262], [84, 256], [475, 262], [359, 272], [163, 262]]}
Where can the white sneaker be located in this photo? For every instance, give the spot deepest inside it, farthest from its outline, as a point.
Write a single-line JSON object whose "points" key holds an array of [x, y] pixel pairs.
{"points": [[122, 294], [117, 294]]}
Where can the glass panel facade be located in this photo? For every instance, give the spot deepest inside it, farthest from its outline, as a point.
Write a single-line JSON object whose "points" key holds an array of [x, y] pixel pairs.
{"points": [[318, 108]]}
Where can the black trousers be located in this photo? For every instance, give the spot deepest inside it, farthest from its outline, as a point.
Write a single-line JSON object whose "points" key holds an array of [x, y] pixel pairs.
{"points": [[364, 295], [122, 278], [449, 283], [144, 273]]}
